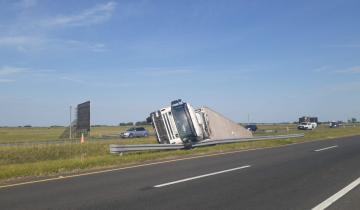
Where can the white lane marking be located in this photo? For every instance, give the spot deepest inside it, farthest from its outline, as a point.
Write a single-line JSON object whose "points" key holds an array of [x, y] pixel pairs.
{"points": [[337, 196], [201, 176], [326, 148]]}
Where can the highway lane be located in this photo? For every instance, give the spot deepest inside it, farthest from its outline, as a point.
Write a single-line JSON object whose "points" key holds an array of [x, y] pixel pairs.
{"points": [[297, 176]]}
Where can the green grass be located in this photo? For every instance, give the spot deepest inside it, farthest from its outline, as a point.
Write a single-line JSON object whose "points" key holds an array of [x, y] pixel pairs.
{"points": [[8, 135], [36, 134], [44, 160]]}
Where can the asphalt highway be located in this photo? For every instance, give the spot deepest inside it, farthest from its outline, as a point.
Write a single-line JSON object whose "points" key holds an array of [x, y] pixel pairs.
{"points": [[300, 176]]}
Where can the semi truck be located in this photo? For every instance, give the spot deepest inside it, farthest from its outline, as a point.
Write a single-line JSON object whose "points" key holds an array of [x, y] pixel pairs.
{"points": [[180, 123]]}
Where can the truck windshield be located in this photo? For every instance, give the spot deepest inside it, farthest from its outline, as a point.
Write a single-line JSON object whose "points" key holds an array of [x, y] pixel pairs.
{"points": [[182, 122]]}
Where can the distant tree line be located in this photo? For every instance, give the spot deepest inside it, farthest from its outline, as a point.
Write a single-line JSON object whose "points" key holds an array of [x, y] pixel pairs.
{"points": [[57, 126], [352, 120], [126, 124], [142, 123], [99, 126], [139, 123], [25, 126]]}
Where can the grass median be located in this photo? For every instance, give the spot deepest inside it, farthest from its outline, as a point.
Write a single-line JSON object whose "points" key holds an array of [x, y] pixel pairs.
{"points": [[48, 160]]}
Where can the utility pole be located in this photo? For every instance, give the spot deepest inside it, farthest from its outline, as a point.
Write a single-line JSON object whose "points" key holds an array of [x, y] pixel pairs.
{"points": [[70, 136], [248, 118]]}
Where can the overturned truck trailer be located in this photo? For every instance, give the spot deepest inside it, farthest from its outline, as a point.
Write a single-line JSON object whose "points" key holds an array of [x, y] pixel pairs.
{"points": [[180, 123]]}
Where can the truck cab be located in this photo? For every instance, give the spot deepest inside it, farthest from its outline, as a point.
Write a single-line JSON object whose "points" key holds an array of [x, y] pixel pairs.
{"points": [[164, 126], [186, 122], [177, 124]]}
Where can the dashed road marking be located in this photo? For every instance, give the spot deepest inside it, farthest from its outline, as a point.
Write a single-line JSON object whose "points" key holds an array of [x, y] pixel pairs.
{"points": [[326, 148], [201, 176]]}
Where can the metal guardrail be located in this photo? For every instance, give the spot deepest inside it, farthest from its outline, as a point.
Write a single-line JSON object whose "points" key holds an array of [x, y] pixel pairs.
{"points": [[258, 138], [118, 148]]}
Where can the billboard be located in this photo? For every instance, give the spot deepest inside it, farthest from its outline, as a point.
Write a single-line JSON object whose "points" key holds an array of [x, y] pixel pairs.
{"points": [[308, 119], [83, 118]]}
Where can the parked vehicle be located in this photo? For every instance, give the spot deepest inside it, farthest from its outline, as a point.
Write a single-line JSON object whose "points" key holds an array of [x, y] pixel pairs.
{"points": [[252, 128], [135, 132], [307, 126], [334, 124]]}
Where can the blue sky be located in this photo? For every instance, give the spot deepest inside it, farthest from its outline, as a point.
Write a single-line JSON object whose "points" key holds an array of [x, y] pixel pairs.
{"points": [[271, 60]]}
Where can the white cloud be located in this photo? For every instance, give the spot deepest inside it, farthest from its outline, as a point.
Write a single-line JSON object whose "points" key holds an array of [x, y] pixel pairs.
{"points": [[95, 15], [345, 46], [98, 47], [8, 70], [22, 43], [165, 72], [354, 69], [347, 87], [70, 79], [26, 3], [95, 83], [31, 43], [75, 44], [28, 34], [6, 80], [9, 74], [322, 69]]}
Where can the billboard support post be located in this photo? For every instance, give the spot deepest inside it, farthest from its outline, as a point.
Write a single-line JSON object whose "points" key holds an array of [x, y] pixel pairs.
{"points": [[70, 136]]}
